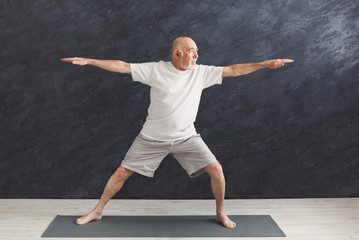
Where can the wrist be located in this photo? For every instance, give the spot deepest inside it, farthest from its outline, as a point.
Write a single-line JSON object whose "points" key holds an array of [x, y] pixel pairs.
{"points": [[91, 61], [263, 64]]}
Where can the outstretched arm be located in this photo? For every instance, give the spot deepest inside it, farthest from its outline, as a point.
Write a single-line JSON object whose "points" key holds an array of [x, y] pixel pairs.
{"points": [[245, 68], [109, 65]]}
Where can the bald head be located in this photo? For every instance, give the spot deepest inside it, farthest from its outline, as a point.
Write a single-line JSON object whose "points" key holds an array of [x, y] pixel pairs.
{"points": [[180, 43]]}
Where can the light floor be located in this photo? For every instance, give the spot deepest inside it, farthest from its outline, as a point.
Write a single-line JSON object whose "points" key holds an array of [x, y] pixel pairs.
{"points": [[330, 218]]}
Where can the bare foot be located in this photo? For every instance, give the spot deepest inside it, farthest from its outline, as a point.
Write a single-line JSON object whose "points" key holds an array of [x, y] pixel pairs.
{"points": [[224, 219], [91, 216]]}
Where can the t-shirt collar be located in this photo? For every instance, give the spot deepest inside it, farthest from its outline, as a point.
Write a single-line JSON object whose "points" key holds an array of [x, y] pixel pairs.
{"points": [[177, 70]]}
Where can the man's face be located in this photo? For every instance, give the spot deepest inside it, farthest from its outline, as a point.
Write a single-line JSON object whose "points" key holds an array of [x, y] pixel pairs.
{"points": [[190, 56]]}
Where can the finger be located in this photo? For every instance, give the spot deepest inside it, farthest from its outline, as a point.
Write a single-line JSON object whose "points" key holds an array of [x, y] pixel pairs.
{"points": [[287, 60], [65, 60], [78, 63], [68, 59]]}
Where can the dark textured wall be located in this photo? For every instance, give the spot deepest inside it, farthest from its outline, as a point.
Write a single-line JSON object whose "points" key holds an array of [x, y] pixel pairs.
{"points": [[288, 132]]}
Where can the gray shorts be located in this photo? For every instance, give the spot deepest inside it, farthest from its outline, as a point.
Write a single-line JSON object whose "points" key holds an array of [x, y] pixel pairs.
{"points": [[145, 155]]}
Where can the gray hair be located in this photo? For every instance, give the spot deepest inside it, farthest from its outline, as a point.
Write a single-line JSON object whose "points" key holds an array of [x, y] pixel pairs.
{"points": [[177, 45]]}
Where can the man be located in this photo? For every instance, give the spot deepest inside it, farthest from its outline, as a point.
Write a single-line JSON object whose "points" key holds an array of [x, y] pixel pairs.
{"points": [[176, 89]]}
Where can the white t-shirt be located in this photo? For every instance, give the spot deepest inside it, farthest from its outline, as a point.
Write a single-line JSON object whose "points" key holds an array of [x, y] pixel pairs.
{"points": [[175, 97]]}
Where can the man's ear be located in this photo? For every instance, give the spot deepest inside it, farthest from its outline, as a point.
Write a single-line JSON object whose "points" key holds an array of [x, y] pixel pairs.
{"points": [[177, 53]]}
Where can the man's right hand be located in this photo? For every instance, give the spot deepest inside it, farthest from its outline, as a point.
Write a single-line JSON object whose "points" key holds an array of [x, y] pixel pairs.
{"points": [[77, 60], [109, 65]]}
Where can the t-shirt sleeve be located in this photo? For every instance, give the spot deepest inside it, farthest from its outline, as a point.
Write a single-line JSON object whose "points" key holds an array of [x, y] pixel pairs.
{"points": [[212, 75], [142, 72]]}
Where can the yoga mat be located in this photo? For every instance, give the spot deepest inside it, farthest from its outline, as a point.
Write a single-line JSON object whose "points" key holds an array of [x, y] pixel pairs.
{"points": [[164, 226]]}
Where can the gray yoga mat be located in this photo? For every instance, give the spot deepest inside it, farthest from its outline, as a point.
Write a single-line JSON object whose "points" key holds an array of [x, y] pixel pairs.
{"points": [[164, 226]]}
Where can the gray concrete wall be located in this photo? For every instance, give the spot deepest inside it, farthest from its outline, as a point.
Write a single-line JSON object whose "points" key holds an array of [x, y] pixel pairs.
{"points": [[284, 133]]}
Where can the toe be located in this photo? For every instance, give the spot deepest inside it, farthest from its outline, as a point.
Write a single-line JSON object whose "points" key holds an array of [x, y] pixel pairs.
{"points": [[78, 221], [231, 225]]}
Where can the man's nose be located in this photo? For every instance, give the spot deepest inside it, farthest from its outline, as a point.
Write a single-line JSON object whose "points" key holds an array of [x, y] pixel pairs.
{"points": [[195, 55]]}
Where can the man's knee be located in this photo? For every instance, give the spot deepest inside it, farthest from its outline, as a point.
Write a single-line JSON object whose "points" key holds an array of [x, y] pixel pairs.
{"points": [[123, 173], [214, 170]]}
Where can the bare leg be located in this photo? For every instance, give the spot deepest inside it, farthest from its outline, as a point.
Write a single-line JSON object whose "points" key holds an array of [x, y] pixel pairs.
{"points": [[113, 185], [218, 187]]}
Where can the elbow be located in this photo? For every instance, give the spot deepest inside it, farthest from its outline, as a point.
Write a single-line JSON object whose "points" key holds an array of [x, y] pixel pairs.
{"points": [[229, 71], [236, 73], [127, 68], [124, 67]]}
